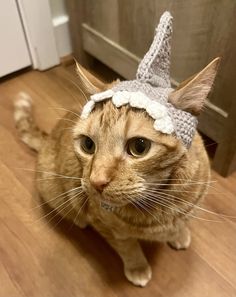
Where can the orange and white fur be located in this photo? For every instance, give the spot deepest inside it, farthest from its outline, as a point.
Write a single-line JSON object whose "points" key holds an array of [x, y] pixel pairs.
{"points": [[149, 182]]}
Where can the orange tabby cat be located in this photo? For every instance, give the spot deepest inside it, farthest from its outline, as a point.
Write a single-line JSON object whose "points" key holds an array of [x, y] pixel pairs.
{"points": [[116, 173]]}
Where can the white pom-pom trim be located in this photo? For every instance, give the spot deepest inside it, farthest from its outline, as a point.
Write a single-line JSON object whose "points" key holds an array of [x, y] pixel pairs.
{"points": [[89, 106], [139, 100], [164, 125], [101, 96], [156, 110], [121, 98]]}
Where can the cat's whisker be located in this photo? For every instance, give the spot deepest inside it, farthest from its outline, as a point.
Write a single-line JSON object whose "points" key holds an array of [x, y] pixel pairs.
{"points": [[49, 173], [168, 202], [162, 201], [155, 202], [78, 87], [59, 196], [178, 191], [209, 183], [52, 178], [62, 210], [162, 191], [68, 120], [62, 217], [56, 212], [188, 191], [179, 188], [133, 203], [142, 205], [56, 209], [76, 99], [168, 196], [172, 209], [62, 108], [66, 214], [181, 184], [183, 179], [193, 205], [68, 128], [79, 211], [153, 205], [154, 216]]}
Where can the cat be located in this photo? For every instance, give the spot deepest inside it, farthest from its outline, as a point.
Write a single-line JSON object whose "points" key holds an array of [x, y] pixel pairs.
{"points": [[116, 173]]}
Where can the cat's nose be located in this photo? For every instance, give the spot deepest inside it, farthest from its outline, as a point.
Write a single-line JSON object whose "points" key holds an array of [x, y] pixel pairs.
{"points": [[99, 183]]}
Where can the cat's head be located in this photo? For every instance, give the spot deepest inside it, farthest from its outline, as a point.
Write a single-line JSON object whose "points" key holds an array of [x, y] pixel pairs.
{"points": [[121, 153]]}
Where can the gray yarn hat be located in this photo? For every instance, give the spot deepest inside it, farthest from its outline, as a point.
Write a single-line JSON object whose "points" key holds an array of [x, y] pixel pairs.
{"points": [[151, 88]]}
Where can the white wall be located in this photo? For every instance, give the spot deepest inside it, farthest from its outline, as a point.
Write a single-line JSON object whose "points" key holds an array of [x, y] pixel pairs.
{"points": [[60, 21]]}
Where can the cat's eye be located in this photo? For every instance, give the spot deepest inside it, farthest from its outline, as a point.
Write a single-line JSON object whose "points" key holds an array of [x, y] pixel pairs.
{"points": [[138, 147], [87, 144]]}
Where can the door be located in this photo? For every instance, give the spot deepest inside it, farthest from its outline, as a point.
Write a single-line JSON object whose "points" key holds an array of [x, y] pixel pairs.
{"points": [[14, 53]]}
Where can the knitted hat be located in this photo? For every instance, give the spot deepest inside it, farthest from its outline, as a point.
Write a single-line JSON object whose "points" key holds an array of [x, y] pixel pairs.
{"points": [[151, 88]]}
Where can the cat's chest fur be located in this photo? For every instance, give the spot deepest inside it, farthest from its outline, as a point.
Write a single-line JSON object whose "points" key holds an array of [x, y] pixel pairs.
{"points": [[124, 226]]}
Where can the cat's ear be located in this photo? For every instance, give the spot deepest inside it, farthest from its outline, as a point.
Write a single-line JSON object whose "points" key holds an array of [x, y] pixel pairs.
{"points": [[89, 84], [191, 95]]}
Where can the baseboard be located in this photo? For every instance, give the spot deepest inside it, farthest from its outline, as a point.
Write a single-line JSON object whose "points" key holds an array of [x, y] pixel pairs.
{"points": [[67, 60]]}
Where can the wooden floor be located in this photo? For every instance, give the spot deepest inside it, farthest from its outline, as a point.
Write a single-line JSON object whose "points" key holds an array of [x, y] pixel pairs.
{"points": [[38, 258]]}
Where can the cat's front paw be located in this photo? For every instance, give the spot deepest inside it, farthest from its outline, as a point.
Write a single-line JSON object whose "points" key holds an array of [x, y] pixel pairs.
{"points": [[139, 276], [183, 240]]}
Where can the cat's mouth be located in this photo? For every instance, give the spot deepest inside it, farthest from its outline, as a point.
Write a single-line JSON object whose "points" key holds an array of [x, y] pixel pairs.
{"points": [[110, 201]]}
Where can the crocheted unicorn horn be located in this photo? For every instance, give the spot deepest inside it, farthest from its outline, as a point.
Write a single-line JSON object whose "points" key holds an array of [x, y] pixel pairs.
{"points": [[151, 89]]}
